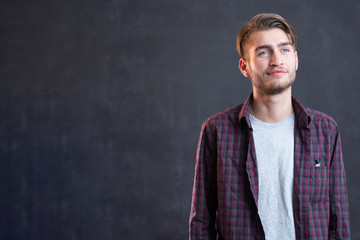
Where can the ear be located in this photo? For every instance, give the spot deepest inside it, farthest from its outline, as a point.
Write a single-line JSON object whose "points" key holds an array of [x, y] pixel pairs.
{"points": [[243, 67], [296, 61]]}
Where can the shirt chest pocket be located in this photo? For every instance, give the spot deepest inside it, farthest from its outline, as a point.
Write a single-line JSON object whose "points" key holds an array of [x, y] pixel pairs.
{"points": [[315, 183]]}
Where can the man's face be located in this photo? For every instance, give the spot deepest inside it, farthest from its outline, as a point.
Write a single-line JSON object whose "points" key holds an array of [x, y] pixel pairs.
{"points": [[270, 61]]}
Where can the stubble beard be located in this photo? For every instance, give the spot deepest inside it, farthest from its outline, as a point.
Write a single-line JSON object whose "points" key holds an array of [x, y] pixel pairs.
{"points": [[275, 89]]}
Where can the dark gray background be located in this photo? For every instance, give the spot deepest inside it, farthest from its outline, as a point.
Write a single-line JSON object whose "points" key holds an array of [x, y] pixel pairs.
{"points": [[101, 104]]}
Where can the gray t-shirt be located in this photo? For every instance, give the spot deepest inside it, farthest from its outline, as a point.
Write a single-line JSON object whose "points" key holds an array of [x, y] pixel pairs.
{"points": [[274, 147]]}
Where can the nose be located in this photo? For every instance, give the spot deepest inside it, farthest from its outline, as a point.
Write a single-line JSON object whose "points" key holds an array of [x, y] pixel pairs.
{"points": [[276, 59]]}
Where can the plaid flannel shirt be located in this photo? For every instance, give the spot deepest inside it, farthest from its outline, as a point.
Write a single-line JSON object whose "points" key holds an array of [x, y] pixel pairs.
{"points": [[225, 192]]}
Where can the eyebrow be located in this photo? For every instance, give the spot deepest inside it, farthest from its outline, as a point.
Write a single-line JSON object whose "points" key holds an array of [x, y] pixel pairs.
{"points": [[269, 46]]}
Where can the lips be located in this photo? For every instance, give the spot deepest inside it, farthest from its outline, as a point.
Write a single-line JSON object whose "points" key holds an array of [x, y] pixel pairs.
{"points": [[276, 72]]}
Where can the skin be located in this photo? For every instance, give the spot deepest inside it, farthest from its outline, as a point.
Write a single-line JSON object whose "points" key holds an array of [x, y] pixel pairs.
{"points": [[271, 62]]}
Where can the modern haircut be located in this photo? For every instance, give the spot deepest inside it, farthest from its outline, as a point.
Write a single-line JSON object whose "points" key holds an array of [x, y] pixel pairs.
{"points": [[262, 22]]}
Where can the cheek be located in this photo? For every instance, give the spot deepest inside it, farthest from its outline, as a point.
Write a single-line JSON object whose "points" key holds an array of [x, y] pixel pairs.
{"points": [[294, 62], [290, 63], [259, 66]]}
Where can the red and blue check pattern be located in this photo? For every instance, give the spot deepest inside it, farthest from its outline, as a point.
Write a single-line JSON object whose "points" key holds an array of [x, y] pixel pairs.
{"points": [[225, 193]]}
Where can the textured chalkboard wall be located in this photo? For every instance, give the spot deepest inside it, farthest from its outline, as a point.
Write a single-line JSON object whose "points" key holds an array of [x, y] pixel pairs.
{"points": [[101, 104]]}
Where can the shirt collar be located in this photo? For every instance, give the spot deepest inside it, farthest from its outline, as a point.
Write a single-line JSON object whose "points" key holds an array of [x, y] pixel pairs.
{"points": [[302, 117]]}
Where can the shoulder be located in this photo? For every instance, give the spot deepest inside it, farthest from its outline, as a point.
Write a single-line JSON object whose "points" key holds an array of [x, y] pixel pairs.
{"points": [[223, 118], [321, 120]]}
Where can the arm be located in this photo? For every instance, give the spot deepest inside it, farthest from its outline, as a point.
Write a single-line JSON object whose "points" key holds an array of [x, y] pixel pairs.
{"points": [[204, 200], [339, 226]]}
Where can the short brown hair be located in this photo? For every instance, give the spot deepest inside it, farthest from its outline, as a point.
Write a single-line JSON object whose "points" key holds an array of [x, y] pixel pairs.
{"points": [[261, 22]]}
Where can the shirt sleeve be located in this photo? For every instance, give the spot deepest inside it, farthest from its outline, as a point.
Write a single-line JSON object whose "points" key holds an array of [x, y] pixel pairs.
{"points": [[339, 226], [204, 200]]}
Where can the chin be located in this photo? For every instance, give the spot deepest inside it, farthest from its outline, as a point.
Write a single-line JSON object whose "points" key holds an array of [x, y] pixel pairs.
{"points": [[275, 90]]}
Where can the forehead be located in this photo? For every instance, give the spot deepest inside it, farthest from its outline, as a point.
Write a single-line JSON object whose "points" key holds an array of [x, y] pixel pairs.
{"points": [[271, 37]]}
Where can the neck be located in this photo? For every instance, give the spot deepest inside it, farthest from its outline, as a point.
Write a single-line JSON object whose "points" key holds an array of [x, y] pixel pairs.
{"points": [[272, 108]]}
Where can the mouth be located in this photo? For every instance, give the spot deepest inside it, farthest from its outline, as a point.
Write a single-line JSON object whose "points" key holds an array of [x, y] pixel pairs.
{"points": [[276, 72]]}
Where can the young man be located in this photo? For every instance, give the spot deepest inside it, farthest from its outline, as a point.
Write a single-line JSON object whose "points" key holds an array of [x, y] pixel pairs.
{"points": [[269, 168]]}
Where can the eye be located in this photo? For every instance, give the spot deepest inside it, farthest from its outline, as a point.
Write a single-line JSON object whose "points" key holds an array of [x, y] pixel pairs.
{"points": [[263, 53], [285, 50]]}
